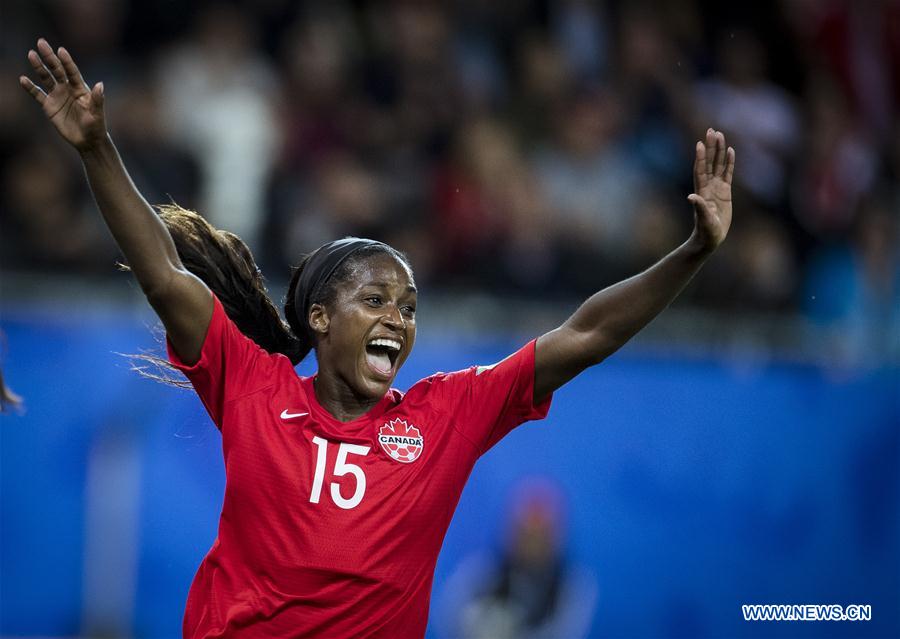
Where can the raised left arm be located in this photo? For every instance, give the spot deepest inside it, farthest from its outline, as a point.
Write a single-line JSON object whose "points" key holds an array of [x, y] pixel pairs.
{"points": [[614, 315]]}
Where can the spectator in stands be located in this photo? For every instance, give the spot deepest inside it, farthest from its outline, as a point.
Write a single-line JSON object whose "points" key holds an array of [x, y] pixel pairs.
{"points": [[211, 81], [762, 116], [528, 589], [853, 289]]}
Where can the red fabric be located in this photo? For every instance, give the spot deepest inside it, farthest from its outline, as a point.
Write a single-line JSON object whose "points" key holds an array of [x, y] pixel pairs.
{"points": [[283, 566]]}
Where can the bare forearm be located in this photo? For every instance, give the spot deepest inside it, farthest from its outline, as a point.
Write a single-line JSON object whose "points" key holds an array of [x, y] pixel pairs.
{"points": [[182, 301], [137, 229], [609, 318]]}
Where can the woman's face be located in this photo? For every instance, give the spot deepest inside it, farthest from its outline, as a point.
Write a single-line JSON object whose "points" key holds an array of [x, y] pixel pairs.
{"points": [[368, 331]]}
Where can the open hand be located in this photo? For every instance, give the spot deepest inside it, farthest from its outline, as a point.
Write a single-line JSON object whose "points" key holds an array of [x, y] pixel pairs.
{"points": [[75, 110], [713, 172]]}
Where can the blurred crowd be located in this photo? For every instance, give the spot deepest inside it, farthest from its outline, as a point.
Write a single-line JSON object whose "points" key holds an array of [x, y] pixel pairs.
{"points": [[523, 148]]}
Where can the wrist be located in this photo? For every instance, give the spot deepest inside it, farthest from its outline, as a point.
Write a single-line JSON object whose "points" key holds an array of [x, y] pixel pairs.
{"points": [[697, 247], [96, 149]]}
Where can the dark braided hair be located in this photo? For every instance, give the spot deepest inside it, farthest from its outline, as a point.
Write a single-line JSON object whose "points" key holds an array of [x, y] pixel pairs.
{"points": [[225, 264]]}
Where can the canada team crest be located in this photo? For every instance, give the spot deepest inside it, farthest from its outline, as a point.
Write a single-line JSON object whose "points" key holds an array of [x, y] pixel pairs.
{"points": [[401, 441]]}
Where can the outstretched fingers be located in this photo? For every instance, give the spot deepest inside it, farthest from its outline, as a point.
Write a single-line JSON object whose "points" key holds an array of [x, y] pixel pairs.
{"points": [[729, 165], [700, 176], [46, 80], [719, 161], [710, 151], [714, 159], [51, 61], [32, 89], [73, 75]]}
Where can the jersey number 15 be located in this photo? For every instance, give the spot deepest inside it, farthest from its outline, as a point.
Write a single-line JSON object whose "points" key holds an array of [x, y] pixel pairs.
{"points": [[341, 468]]}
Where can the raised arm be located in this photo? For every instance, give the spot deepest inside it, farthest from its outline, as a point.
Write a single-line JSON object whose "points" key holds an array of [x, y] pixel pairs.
{"points": [[182, 301], [611, 317]]}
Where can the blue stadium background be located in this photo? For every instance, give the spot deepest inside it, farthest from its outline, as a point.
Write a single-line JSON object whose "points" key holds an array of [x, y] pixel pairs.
{"points": [[695, 484]]}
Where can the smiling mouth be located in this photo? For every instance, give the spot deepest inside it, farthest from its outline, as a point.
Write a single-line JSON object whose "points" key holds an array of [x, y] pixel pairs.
{"points": [[382, 354]]}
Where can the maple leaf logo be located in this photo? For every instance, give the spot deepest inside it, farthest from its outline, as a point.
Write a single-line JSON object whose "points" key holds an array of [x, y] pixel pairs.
{"points": [[401, 441]]}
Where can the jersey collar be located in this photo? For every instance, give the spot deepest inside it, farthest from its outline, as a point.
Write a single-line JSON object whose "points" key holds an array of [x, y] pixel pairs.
{"points": [[344, 429]]}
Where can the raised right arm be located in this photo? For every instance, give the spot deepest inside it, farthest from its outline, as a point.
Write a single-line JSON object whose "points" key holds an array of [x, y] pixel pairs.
{"points": [[182, 301]]}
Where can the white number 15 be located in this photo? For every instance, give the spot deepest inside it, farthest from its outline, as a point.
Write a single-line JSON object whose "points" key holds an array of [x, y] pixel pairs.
{"points": [[341, 468]]}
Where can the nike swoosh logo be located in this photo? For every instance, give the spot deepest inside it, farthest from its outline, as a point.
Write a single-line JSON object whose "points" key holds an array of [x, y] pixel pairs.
{"points": [[287, 415]]}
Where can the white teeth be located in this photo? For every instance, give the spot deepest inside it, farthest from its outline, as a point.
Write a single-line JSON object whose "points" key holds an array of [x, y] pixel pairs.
{"points": [[387, 343]]}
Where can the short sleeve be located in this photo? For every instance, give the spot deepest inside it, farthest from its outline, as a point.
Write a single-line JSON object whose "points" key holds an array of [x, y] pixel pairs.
{"points": [[487, 402], [231, 364]]}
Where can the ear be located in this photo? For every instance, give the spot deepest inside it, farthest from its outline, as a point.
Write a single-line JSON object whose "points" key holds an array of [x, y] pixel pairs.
{"points": [[318, 319]]}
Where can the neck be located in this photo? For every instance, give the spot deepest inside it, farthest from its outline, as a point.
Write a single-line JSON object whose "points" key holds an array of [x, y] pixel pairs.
{"points": [[336, 396]]}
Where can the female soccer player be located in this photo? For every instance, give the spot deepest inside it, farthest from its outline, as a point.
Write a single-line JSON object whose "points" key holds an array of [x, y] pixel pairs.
{"points": [[339, 489]]}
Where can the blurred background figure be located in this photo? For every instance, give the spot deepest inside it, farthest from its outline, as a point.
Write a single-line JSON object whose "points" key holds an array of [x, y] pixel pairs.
{"points": [[854, 290], [220, 93], [528, 588], [742, 98], [9, 401]]}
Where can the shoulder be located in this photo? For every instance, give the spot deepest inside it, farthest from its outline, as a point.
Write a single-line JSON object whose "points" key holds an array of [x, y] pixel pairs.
{"points": [[425, 389], [440, 390], [459, 383], [439, 382]]}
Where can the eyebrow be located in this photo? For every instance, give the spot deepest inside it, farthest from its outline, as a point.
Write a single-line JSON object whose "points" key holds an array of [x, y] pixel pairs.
{"points": [[409, 289]]}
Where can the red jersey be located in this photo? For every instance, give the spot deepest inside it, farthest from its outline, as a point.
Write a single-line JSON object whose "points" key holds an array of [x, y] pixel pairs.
{"points": [[333, 528]]}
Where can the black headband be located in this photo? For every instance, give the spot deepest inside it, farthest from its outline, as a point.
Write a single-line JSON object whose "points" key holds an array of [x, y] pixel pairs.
{"points": [[321, 265]]}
